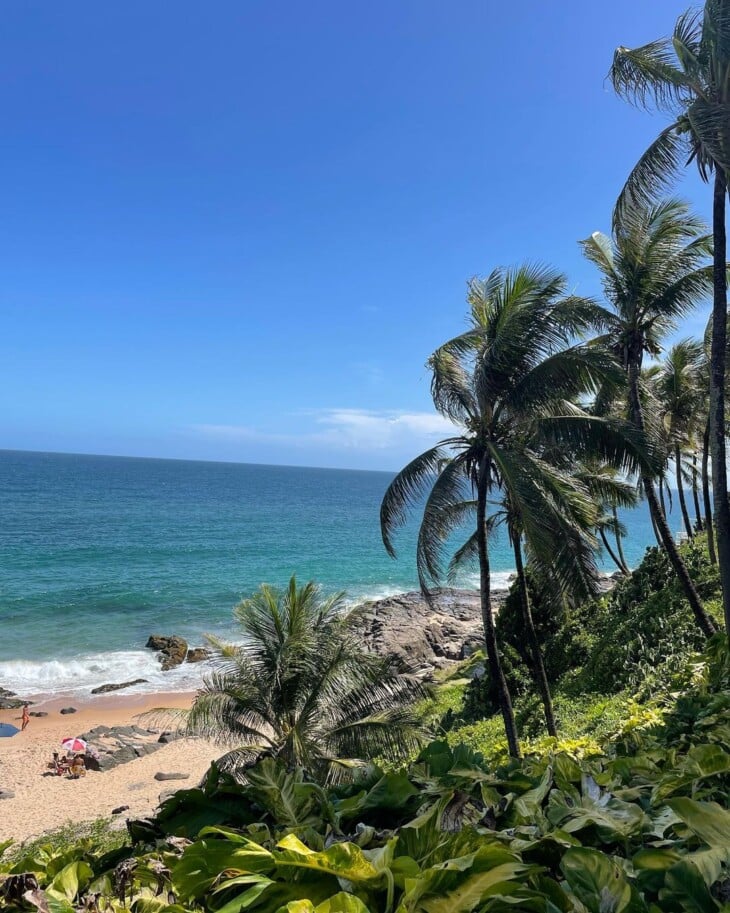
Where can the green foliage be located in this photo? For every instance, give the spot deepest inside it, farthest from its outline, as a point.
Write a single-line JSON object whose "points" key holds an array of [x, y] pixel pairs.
{"points": [[641, 826], [301, 687]]}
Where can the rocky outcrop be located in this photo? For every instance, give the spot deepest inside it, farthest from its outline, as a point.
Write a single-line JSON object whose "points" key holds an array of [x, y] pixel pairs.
{"points": [[9, 700], [105, 689], [424, 636], [171, 650], [116, 745], [197, 655], [66, 710]]}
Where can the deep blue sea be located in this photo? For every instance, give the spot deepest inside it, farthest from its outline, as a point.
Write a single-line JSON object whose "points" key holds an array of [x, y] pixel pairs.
{"points": [[98, 552]]}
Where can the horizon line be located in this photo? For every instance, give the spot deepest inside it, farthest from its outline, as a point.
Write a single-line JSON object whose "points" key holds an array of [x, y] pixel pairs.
{"points": [[119, 456]]}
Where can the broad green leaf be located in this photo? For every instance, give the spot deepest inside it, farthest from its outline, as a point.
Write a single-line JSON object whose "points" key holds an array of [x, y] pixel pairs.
{"points": [[687, 889], [203, 861], [597, 881], [344, 860], [712, 863], [707, 820], [72, 878], [342, 903]]}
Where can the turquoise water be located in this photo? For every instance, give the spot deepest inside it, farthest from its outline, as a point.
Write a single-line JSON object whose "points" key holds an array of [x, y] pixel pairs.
{"points": [[98, 552]]}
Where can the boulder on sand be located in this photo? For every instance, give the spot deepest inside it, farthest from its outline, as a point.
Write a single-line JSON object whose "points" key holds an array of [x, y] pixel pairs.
{"points": [[172, 650], [105, 689]]}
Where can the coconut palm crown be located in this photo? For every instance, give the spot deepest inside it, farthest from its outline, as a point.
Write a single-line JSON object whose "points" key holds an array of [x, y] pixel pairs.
{"points": [[654, 272], [301, 688]]}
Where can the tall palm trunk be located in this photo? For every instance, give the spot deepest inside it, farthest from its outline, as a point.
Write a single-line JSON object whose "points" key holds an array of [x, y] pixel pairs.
{"points": [[680, 491], [490, 635], [614, 557], [540, 673], [718, 356], [656, 531], [661, 498], [703, 619], [699, 525], [706, 492], [619, 543]]}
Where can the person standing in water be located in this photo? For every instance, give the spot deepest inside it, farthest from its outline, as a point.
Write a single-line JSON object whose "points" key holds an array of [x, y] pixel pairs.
{"points": [[26, 717]]}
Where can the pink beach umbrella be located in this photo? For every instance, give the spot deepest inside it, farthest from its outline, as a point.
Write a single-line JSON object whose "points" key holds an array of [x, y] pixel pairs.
{"points": [[74, 745]]}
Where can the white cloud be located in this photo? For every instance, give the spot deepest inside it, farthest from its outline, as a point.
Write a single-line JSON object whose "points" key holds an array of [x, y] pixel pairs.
{"points": [[347, 429]]}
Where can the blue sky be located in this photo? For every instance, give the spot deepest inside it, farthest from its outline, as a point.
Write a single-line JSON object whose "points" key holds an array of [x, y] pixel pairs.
{"points": [[236, 230]]}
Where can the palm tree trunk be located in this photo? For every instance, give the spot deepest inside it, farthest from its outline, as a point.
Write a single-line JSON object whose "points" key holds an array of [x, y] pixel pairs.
{"points": [[704, 621], [614, 556], [680, 491], [619, 543], [490, 635], [661, 497], [656, 531], [699, 525], [540, 673], [706, 492], [718, 356]]}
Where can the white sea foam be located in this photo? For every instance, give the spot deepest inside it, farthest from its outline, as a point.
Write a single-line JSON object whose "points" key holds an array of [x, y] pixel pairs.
{"points": [[79, 675], [501, 581]]}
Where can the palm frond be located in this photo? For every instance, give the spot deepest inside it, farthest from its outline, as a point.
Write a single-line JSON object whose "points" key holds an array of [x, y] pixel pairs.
{"points": [[405, 491], [656, 170], [648, 76]]}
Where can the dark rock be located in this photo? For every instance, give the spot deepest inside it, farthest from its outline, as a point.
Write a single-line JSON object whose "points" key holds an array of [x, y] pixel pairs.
{"points": [[168, 737], [172, 650], [5, 693], [120, 744], [197, 655], [11, 703], [171, 776], [7, 794], [424, 636], [67, 710], [119, 809], [105, 689], [38, 713]]}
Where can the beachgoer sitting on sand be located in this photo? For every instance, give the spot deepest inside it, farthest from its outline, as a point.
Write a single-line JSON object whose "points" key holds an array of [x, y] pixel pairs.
{"points": [[78, 768]]}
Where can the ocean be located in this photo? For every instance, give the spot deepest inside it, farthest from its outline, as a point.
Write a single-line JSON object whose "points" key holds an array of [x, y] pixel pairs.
{"points": [[98, 552]]}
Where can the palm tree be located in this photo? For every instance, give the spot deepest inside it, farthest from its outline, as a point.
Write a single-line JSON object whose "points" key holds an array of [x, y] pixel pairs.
{"points": [[688, 76], [652, 274], [508, 384], [677, 384], [300, 687], [610, 492]]}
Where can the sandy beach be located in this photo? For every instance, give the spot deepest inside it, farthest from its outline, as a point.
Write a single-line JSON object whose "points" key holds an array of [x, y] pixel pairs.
{"points": [[43, 802]]}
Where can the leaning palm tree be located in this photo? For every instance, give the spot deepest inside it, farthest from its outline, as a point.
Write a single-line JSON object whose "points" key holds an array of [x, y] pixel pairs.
{"points": [[301, 688], [677, 385], [688, 77], [653, 273], [509, 384], [611, 492]]}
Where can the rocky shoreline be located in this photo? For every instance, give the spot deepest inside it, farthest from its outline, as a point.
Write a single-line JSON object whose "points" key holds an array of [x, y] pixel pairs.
{"points": [[426, 636]]}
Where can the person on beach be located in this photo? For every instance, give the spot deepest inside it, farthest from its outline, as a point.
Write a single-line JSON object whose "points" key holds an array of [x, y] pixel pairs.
{"points": [[26, 718]]}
